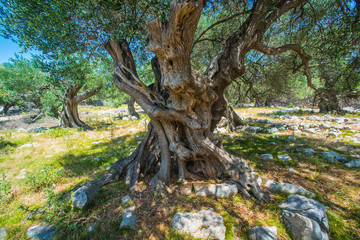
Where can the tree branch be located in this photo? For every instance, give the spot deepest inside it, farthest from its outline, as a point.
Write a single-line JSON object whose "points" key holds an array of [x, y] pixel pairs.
{"points": [[87, 94], [230, 64], [198, 39], [126, 79]]}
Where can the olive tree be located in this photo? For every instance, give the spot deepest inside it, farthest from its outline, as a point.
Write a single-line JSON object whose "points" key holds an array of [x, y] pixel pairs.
{"points": [[185, 103], [69, 76]]}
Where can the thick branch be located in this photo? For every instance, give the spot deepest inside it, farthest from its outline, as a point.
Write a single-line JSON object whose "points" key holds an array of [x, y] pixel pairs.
{"points": [[126, 80], [87, 94], [230, 64]]}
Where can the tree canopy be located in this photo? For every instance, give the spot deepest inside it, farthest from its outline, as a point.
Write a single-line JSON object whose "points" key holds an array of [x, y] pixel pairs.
{"points": [[21, 81]]}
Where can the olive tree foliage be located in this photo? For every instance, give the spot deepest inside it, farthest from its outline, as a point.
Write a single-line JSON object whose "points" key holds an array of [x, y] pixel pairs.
{"points": [[186, 101], [329, 32], [21, 81], [267, 81]]}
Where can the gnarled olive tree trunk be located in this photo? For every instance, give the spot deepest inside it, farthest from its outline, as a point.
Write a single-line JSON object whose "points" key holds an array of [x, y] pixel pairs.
{"points": [[185, 105], [70, 115]]}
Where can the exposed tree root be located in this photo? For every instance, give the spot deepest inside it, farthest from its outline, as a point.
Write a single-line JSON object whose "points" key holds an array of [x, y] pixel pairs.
{"points": [[211, 161]]}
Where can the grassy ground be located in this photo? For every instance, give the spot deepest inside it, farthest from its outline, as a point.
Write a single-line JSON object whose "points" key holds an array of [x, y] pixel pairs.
{"points": [[59, 159]]}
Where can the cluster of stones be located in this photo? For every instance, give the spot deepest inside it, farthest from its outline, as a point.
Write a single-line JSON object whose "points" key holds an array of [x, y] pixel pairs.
{"points": [[304, 217], [120, 113], [326, 125], [208, 189], [332, 157], [48, 232]]}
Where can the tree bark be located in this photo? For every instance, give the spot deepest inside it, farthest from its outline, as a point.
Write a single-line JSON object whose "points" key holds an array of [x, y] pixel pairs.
{"points": [[70, 115], [231, 120], [184, 119]]}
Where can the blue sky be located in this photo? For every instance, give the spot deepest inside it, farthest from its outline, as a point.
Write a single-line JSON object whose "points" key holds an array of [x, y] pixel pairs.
{"points": [[8, 49]]}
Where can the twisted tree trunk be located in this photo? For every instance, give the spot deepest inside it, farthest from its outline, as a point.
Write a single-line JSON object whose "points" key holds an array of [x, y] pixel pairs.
{"points": [[185, 105], [70, 115]]}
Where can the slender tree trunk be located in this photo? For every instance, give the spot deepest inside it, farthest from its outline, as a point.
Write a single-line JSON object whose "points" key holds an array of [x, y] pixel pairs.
{"points": [[267, 103], [131, 108], [70, 115]]}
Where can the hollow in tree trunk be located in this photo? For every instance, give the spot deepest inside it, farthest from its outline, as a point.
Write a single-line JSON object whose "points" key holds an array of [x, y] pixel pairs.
{"points": [[70, 115]]}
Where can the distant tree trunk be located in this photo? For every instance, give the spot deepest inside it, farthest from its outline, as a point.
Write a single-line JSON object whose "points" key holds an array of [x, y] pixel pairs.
{"points": [[131, 108], [329, 103], [54, 111], [258, 104], [231, 120], [6, 108], [70, 115], [268, 102]]}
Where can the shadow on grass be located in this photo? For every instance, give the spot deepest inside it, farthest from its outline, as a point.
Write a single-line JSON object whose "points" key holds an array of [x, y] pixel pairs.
{"points": [[4, 144], [85, 160]]}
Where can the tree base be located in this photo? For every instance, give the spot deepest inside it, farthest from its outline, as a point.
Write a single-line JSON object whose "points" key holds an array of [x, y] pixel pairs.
{"points": [[145, 161]]}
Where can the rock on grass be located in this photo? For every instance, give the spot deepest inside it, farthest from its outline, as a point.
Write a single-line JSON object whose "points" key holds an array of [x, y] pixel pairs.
{"points": [[205, 224], [43, 232], [263, 233], [305, 218]]}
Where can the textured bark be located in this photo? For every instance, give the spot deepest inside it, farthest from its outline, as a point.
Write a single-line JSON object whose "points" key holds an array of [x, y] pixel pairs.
{"points": [[70, 115], [231, 120]]}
